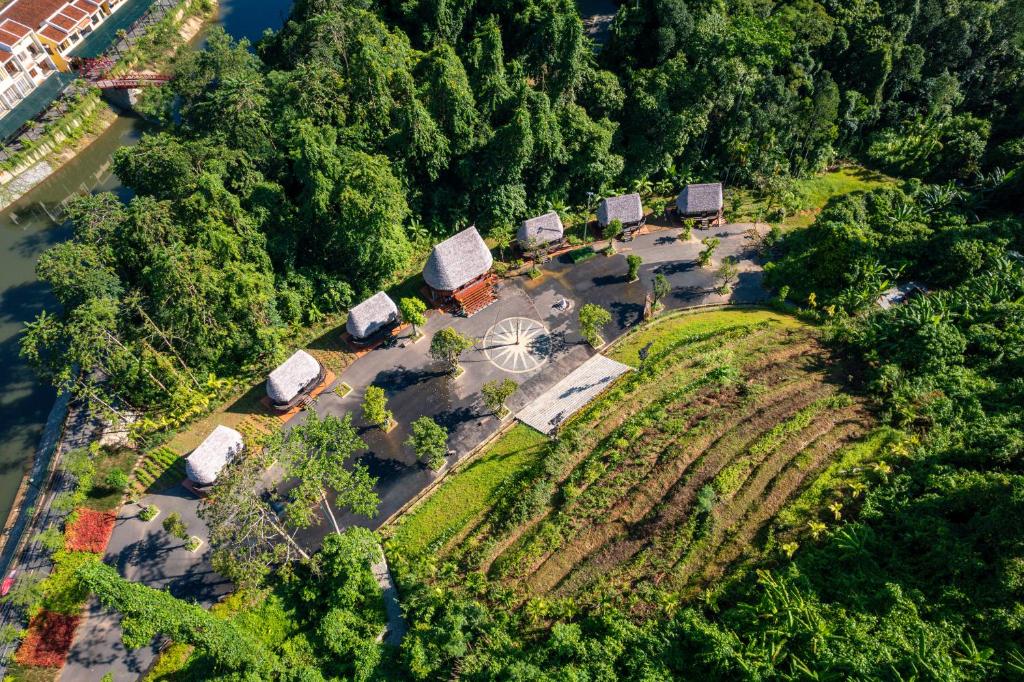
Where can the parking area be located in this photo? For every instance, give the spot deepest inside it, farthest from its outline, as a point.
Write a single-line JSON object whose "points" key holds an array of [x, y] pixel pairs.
{"points": [[531, 334]]}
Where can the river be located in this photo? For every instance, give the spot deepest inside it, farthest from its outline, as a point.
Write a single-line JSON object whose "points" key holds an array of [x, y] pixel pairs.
{"points": [[31, 225]]}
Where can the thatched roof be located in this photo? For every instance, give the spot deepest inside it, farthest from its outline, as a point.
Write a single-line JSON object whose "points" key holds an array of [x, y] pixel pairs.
{"points": [[700, 199], [370, 315], [626, 209], [457, 260], [220, 447], [543, 229], [288, 380]]}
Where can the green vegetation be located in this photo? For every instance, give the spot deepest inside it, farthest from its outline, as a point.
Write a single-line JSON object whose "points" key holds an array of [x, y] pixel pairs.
{"points": [[375, 408], [496, 393], [468, 493], [447, 346], [698, 521], [592, 318], [414, 312], [649, 496], [429, 441]]}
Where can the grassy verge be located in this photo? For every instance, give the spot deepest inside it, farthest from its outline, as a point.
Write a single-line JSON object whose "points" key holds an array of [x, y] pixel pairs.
{"points": [[664, 332], [469, 492], [811, 195]]}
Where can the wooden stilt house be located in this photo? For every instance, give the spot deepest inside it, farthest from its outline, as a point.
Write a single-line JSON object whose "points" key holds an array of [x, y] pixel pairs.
{"points": [[458, 273]]}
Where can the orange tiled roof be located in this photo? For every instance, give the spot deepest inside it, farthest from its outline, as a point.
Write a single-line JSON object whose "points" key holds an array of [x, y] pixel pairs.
{"points": [[54, 34], [87, 6], [5, 57], [8, 38], [31, 13], [73, 13], [62, 21], [17, 29]]}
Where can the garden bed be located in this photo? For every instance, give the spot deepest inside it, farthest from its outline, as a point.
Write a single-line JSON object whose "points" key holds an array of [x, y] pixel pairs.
{"points": [[48, 640], [89, 531]]}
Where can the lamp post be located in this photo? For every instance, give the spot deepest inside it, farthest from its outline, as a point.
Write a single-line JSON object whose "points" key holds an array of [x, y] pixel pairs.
{"points": [[586, 217]]}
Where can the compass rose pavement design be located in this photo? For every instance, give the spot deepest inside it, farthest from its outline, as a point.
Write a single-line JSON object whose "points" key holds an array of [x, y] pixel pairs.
{"points": [[517, 344]]}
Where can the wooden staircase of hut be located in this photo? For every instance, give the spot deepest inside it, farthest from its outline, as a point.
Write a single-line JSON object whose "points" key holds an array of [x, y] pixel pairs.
{"points": [[477, 296]]}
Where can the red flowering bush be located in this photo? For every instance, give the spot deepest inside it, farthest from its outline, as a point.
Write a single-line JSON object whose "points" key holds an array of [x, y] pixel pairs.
{"points": [[48, 640], [90, 531]]}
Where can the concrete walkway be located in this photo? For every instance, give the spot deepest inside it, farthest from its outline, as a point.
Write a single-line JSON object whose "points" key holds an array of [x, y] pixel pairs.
{"points": [[397, 626]]}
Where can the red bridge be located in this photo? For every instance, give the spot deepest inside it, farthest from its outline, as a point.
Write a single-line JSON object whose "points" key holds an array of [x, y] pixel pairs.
{"points": [[97, 72]]}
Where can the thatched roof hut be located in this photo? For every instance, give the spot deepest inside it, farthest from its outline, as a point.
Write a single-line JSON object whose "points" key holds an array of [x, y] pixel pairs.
{"points": [[296, 376], [220, 447], [374, 313], [457, 261], [627, 209], [700, 200], [541, 230]]}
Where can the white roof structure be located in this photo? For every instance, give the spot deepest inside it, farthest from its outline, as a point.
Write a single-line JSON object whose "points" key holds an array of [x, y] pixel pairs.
{"points": [[572, 393], [543, 229], [899, 294], [457, 260], [626, 209], [220, 447], [370, 315], [294, 374]]}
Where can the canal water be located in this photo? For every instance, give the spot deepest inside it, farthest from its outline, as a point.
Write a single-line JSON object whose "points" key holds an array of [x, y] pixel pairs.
{"points": [[32, 225]]}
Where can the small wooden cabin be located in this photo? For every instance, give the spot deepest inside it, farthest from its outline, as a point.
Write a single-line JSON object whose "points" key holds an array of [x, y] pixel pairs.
{"points": [[373, 317], [702, 202], [543, 233], [294, 380], [627, 209], [458, 273]]}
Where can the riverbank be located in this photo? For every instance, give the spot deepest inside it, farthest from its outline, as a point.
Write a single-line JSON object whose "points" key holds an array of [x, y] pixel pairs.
{"points": [[84, 125]]}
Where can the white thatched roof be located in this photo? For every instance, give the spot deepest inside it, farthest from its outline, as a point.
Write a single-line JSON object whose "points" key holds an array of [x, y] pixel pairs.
{"points": [[288, 380], [626, 209], [219, 448], [543, 229], [370, 315], [700, 199], [457, 260]]}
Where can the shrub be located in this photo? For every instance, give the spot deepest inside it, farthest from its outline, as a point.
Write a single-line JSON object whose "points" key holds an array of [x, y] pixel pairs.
{"points": [[375, 407], [149, 512], [430, 442], [51, 539], [592, 318], [633, 262], [118, 480], [48, 640], [175, 526]]}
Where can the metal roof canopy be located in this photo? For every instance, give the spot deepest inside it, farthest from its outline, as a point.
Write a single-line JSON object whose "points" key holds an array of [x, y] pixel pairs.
{"points": [[570, 395]]}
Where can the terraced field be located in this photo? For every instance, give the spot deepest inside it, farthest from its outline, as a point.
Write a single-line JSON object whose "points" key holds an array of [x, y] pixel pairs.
{"points": [[675, 476]]}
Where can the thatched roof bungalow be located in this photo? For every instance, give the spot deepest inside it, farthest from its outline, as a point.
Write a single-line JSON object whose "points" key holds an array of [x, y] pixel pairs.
{"points": [[540, 231], [700, 200], [627, 209], [372, 315], [205, 463], [293, 380], [457, 272], [457, 261]]}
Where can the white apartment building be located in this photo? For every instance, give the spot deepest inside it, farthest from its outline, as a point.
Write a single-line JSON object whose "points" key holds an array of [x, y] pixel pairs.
{"points": [[36, 37]]}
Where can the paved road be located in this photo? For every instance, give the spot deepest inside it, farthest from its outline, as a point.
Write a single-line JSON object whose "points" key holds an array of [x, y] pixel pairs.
{"points": [[68, 427], [415, 386], [143, 552]]}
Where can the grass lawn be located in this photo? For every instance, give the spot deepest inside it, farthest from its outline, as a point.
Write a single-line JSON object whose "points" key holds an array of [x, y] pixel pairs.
{"points": [[469, 491], [103, 497], [814, 193], [29, 673], [665, 331]]}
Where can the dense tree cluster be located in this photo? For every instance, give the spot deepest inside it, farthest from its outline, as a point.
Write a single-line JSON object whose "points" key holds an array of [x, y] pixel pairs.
{"points": [[290, 182]]}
